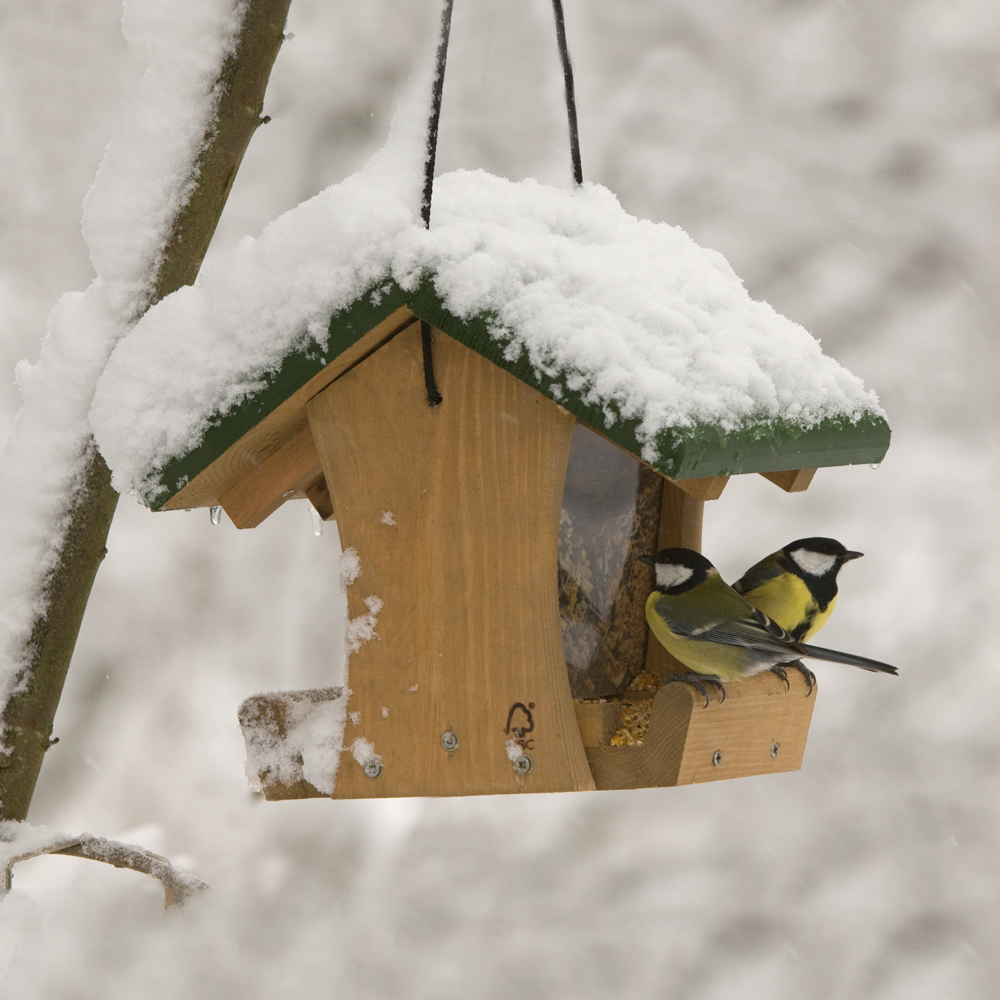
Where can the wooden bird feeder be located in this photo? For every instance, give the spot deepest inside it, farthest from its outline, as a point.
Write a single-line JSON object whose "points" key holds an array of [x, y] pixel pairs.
{"points": [[497, 536]]}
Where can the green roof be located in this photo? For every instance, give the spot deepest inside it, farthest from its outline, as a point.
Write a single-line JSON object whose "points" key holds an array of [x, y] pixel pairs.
{"points": [[683, 452]]}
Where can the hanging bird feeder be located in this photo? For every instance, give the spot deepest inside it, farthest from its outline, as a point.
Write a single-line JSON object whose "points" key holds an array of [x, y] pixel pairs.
{"points": [[531, 394]]}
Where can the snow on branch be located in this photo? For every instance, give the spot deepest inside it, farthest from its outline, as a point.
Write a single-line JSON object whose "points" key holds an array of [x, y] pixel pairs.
{"points": [[21, 841]]}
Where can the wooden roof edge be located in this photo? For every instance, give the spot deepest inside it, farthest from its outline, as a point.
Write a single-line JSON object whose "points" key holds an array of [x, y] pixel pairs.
{"points": [[252, 430]]}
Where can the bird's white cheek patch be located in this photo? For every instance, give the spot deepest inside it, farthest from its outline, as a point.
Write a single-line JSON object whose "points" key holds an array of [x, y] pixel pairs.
{"points": [[813, 563], [671, 574]]}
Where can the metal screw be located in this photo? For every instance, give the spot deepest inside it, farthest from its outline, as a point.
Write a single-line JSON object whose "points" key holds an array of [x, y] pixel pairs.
{"points": [[373, 767], [523, 764], [774, 749], [717, 758], [449, 741]]}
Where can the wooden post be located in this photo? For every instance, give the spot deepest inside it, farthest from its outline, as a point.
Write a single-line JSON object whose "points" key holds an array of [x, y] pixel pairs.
{"points": [[454, 514]]}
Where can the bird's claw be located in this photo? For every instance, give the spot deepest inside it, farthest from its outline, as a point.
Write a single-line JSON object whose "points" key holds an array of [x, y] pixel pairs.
{"points": [[698, 682], [806, 673], [780, 670]]}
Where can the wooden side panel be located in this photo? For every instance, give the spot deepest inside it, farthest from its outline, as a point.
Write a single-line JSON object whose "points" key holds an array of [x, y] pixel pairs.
{"points": [[261, 441], [294, 467], [759, 729], [793, 481], [454, 514]]}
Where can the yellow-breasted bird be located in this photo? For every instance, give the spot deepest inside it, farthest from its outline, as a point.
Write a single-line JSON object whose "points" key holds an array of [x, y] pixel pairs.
{"points": [[797, 588], [715, 632]]}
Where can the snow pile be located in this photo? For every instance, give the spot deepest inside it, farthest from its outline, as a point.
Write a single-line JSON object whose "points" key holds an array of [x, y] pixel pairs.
{"points": [[632, 314], [146, 178], [205, 347], [362, 629], [126, 217], [301, 740], [22, 840], [363, 751]]}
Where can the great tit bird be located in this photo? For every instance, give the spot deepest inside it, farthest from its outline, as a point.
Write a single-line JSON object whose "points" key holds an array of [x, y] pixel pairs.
{"points": [[797, 585], [715, 632], [797, 588]]}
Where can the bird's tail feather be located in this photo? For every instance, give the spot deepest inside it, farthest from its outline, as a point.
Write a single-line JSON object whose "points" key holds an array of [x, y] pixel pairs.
{"points": [[833, 655]]}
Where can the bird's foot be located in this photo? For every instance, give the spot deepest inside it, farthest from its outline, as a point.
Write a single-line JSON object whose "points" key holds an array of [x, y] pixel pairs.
{"points": [[698, 682], [806, 673], [798, 665]]}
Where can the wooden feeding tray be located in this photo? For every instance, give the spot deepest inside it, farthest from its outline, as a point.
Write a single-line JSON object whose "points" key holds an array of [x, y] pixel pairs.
{"points": [[760, 728], [475, 678]]}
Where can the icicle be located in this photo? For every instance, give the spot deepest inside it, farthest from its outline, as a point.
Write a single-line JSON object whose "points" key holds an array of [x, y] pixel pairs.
{"points": [[215, 513], [317, 521]]}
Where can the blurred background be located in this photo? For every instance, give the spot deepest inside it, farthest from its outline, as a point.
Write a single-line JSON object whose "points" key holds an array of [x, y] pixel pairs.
{"points": [[844, 155]]}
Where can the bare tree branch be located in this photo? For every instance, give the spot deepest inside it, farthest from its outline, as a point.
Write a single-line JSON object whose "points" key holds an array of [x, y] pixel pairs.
{"points": [[178, 886]]}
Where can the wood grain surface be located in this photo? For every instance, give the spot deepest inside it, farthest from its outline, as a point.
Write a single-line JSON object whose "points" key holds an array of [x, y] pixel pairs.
{"points": [[793, 481], [680, 747], [681, 518], [287, 419], [454, 513], [293, 468], [709, 488]]}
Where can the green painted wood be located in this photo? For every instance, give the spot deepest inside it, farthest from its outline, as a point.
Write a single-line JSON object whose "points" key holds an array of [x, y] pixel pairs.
{"points": [[346, 328], [683, 453]]}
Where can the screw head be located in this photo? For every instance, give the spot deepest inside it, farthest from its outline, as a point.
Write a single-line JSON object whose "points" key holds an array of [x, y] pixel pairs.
{"points": [[523, 764], [449, 741], [717, 758], [373, 767], [774, 749]]}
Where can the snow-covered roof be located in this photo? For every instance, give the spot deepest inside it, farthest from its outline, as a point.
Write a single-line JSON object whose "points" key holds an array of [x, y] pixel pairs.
{"points": [[643, 334]]}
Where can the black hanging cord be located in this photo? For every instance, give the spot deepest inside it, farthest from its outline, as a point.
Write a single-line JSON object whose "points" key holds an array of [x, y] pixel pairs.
{"points": [[432, 122], [574, 132], [434, 397]]}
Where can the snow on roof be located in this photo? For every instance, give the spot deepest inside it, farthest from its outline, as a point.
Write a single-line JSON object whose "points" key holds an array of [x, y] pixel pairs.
{"points": [[633, 314]]}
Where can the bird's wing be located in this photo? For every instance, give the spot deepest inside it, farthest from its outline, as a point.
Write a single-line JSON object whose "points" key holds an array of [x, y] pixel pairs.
{"points": [[758, 574], [752, 630]]}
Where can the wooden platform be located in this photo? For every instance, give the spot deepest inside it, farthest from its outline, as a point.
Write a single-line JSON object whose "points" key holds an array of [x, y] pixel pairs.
{"points": [[759, 729]]}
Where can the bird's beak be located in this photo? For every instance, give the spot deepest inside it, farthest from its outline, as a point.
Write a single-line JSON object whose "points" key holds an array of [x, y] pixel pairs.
{"points": [[848, 556], [648, 560]]}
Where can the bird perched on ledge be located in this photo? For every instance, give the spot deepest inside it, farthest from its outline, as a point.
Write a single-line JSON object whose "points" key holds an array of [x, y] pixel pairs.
{"points": [[716, 632], [797, 588], [797, 585]]}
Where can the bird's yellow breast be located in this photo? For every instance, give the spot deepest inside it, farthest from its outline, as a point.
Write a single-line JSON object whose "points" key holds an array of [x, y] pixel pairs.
{"points": [[788, 601]]}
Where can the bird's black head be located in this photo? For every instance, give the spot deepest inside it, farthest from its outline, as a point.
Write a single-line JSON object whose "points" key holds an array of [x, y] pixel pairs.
{"points": [[817, 557], [678, 570]]}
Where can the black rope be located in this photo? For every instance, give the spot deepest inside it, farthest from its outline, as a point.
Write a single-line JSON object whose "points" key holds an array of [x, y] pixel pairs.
{"points": [[574, 132], [432, 122], [434, 397]]}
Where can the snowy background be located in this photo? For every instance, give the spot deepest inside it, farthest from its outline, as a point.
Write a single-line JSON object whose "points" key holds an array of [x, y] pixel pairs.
{"points": [[845, 157]]}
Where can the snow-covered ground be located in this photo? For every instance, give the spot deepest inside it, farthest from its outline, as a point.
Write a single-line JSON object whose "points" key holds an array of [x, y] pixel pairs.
{"points": [[844, 157]]}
